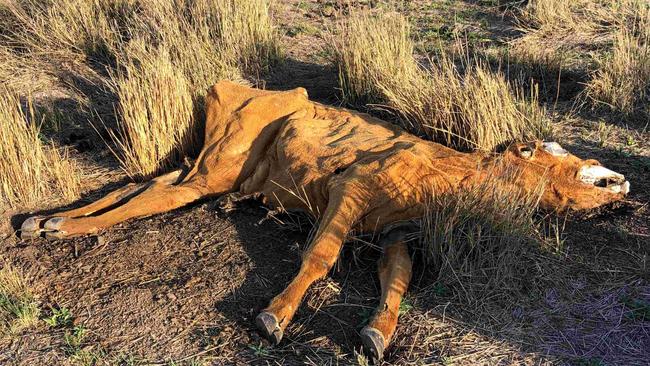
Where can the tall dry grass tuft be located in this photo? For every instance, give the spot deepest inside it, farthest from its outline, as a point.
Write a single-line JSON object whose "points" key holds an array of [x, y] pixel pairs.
{"points": [[472, 108], [558, 23], [368, 50], [613, 33], [476, 237], [167, 51], [156, 113], [245, 28], [31, 171], [19, 72], [18, 307], [622, 80]]}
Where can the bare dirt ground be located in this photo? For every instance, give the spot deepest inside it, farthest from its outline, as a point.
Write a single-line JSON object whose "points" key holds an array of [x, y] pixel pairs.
{"points": [[183, 288]]}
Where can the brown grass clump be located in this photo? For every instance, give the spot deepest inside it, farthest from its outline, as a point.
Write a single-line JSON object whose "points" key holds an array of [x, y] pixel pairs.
{"points": [[21, 73], [161, 55], [470, 109], [243, 27], [476, 237], [622, 80], [560, 24], [367, 50], [568, 32], [156, 113], [18, 308], [30, 171]]}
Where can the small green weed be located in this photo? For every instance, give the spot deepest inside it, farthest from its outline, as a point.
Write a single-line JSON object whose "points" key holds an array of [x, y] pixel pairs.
{"points": [[405, 306], [73, 339], [302, 28], [589, 362], [77, 353], [604, 133], [61, 317], [18, 307], [259, 350], [440, 290]]}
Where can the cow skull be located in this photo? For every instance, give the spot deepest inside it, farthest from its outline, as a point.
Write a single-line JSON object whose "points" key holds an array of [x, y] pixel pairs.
{"points": [[602, 177]]}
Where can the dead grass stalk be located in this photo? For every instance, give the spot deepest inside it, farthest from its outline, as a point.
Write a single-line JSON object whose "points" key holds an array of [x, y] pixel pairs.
{"points": [[467, 108], [18, 308], [31, 170], [476, 237], [612, 35], [170, 51]]}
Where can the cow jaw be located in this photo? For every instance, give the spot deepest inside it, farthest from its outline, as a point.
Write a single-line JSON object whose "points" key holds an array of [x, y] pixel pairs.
{"points": [[604, 178]]}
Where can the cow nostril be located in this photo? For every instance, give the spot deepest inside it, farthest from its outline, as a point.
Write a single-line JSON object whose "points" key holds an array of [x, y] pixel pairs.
{"points": [[602, 182]]}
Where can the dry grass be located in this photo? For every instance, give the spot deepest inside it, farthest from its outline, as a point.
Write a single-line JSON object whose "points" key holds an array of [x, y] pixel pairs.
{"points": [[18, 308], [156, 113], [19, 72], [368, 50], [565, 34], [467, 108], [557, 24], [31, 171], [476, 237], [161, 55], [622, 80]]}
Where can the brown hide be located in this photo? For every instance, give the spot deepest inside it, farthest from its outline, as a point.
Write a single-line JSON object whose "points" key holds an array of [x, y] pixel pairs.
{"points": [[293, 151], [346, 168]]}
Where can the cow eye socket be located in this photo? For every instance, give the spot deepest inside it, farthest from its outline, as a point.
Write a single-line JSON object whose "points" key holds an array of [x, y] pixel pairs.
{"points": [[525, 152]]}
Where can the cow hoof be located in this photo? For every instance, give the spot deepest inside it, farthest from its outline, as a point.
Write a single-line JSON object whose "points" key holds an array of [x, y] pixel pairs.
{"points": [[373, 343], [54, 223], [268, 324], [32, 224], [31, 228]]}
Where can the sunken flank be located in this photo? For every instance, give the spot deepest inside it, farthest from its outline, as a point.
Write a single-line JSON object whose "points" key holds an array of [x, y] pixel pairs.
{"points": [[346, 168]]}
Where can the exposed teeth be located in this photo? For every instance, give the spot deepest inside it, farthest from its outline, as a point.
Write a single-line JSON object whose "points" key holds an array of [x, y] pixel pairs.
{"points": [[620, 188], [593, 174], [626, 188]]}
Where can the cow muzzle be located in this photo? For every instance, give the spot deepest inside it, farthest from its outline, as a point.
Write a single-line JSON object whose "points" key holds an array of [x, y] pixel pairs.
{"points": [[603, 178]]}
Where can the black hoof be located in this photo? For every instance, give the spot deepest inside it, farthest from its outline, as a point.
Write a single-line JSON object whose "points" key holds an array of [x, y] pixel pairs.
{"points": [[373, 343], [268, 324]]}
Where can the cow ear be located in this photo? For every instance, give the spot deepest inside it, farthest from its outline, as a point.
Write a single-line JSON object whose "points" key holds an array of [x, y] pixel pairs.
{"points": [[525, 151]]}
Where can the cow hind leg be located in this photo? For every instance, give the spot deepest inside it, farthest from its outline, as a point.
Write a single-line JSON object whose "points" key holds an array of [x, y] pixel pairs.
{"points": [[394, 276]]}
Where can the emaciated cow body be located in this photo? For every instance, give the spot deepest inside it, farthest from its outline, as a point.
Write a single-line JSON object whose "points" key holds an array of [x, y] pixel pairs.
{"points": [[348, 169]]}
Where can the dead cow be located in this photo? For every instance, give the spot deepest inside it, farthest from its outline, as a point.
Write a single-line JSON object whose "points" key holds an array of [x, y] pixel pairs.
{"points": [[351, 169]]}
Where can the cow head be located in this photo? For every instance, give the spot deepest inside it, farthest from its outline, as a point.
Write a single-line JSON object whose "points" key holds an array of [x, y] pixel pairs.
{"points": [[571, 183]]}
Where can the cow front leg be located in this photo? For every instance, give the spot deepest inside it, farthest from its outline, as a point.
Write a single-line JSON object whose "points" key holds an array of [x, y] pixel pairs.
{"points": [[342, 212], [159, 195], [394, 276], [35, 225]]}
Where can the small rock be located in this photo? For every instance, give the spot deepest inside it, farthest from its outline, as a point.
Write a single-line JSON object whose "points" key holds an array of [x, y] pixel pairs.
{"points": [[171, 296], [101, 240]]}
